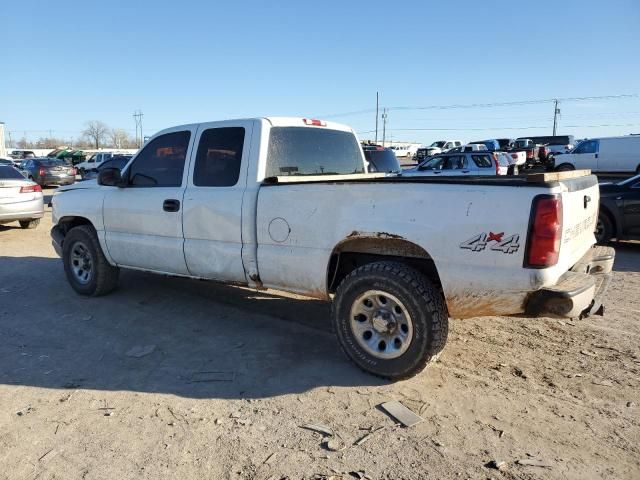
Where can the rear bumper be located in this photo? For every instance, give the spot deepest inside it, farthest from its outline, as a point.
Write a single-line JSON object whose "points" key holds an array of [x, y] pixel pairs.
{"points": [[580, 291], [10, 212], [55, 180]]}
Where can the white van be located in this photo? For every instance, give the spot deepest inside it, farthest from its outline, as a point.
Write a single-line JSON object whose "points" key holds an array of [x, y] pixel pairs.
{"points": [[612, 154]]}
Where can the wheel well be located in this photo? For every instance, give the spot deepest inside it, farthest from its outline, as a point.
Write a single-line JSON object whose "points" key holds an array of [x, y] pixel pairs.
{"points": [[67, 223], [566, 164], [353, 253], [604, 210]]}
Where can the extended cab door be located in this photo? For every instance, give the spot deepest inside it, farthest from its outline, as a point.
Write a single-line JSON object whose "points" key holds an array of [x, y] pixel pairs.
{"points": [[213, 200], [143, 220]]}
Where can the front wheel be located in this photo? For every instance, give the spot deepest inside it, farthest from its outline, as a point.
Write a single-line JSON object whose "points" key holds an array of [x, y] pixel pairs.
{"points": [[390, 320], [565, 167], [85, 265]]}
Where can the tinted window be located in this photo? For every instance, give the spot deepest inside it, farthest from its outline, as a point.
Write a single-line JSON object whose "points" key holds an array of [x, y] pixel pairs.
{"points": [[434, 163], [161, 162], [482, 161], [219, 157], [588, 146], [10, 172], [382, 161], [312, 151]]}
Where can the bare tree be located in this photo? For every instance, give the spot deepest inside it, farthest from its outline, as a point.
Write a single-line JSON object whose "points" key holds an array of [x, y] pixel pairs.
{"points": [[96, 131], [119, 138]]}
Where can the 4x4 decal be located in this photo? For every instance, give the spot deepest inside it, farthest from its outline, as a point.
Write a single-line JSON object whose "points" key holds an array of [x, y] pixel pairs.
{"points": [[479, 242]]}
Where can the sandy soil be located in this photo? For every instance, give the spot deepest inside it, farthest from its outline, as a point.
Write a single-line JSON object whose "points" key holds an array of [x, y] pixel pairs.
{"points": [[230, 375]]}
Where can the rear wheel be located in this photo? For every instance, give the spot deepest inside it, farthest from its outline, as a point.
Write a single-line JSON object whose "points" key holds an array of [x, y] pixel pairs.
{"points": [[604, 228], [390, 320], [33, 223], [85, 265]]}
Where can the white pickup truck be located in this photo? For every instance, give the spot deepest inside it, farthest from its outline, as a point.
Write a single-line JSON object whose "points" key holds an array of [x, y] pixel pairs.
{"points": [[284, 203]]}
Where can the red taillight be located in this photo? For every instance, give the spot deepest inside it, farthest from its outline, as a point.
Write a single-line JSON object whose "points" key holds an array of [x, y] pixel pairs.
{"points": [[31, 189], [314, 122], [41, 171], [514, 156], [545, 232], [74, 172]]}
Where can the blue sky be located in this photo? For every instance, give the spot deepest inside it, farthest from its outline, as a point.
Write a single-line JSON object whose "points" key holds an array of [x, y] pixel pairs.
{"points": [[67, 62]]}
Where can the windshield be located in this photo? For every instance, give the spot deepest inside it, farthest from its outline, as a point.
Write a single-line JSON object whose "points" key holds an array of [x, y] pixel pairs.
{"points": [[312, 151], [437, 144]]}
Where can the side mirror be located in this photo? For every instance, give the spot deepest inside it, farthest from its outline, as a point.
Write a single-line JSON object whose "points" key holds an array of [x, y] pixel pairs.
{"points": [[110, 177]]}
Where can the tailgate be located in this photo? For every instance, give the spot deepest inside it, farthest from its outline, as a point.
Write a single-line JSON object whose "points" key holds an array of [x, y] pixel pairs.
{"points": [[580, 201]]}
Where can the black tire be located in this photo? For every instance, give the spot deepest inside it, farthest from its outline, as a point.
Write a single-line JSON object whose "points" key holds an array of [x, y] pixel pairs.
{"points": [[101, 278], [565, 167], [604, 228], [33, 223], [423, 302]]}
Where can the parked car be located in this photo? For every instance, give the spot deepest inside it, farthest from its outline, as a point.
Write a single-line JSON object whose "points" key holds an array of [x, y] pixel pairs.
{"points": [[492, 145], [449, 164], [401, 151], [610, 154], [285, 203], [94, 161], [21, 154], [619, 215], [69, 155], [535, 154], [119, 161], [49, 171], [20, 199], [556, 145], [439, 146], [382, 160]]}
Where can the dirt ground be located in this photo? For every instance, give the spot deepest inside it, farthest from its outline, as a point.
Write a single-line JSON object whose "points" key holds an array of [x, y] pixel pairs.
{"points": [[181, 379]]}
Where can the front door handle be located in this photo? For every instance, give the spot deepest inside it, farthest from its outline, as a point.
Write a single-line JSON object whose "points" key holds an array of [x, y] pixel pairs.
{"points": [[171, 205]]}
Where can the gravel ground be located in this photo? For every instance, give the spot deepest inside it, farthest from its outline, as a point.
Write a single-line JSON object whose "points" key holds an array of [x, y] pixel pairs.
{"points": [[180, 379]]}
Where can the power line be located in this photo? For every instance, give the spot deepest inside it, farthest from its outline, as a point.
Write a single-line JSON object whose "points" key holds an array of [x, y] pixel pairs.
{"points": [[490, 105], [502, 128]]}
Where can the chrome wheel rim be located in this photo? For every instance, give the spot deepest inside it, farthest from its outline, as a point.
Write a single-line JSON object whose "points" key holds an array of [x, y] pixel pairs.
{"points": [[81, 263], [381, 324]]}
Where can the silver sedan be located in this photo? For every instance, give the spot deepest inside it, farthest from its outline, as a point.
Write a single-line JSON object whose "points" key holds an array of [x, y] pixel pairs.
{"points": [[20, 199]]}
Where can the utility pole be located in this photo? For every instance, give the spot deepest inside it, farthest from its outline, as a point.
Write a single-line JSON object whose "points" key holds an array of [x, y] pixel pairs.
{"points": [[377, 103], [137, 115], [384, 125], [556, 112]]}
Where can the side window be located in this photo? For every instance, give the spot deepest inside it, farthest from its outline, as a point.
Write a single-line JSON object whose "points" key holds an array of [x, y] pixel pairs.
{"points": [[482, 161], [588, 146], [219, 157], [455, 162], [161, 161]]}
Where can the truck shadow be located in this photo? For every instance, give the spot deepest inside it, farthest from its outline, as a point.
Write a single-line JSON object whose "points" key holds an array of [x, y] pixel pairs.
{"points": [[167, 335], [627, 256]]}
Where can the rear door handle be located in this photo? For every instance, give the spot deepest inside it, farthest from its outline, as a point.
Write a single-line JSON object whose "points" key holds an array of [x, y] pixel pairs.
{"points": [[171, 205]]}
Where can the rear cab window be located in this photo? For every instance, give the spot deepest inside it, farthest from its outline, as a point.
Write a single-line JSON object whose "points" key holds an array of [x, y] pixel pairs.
{"points": [[7, 172], [312, 151]]}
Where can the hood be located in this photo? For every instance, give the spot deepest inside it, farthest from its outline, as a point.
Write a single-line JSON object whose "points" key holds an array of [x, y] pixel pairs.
{"points": [[81, 185]]}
